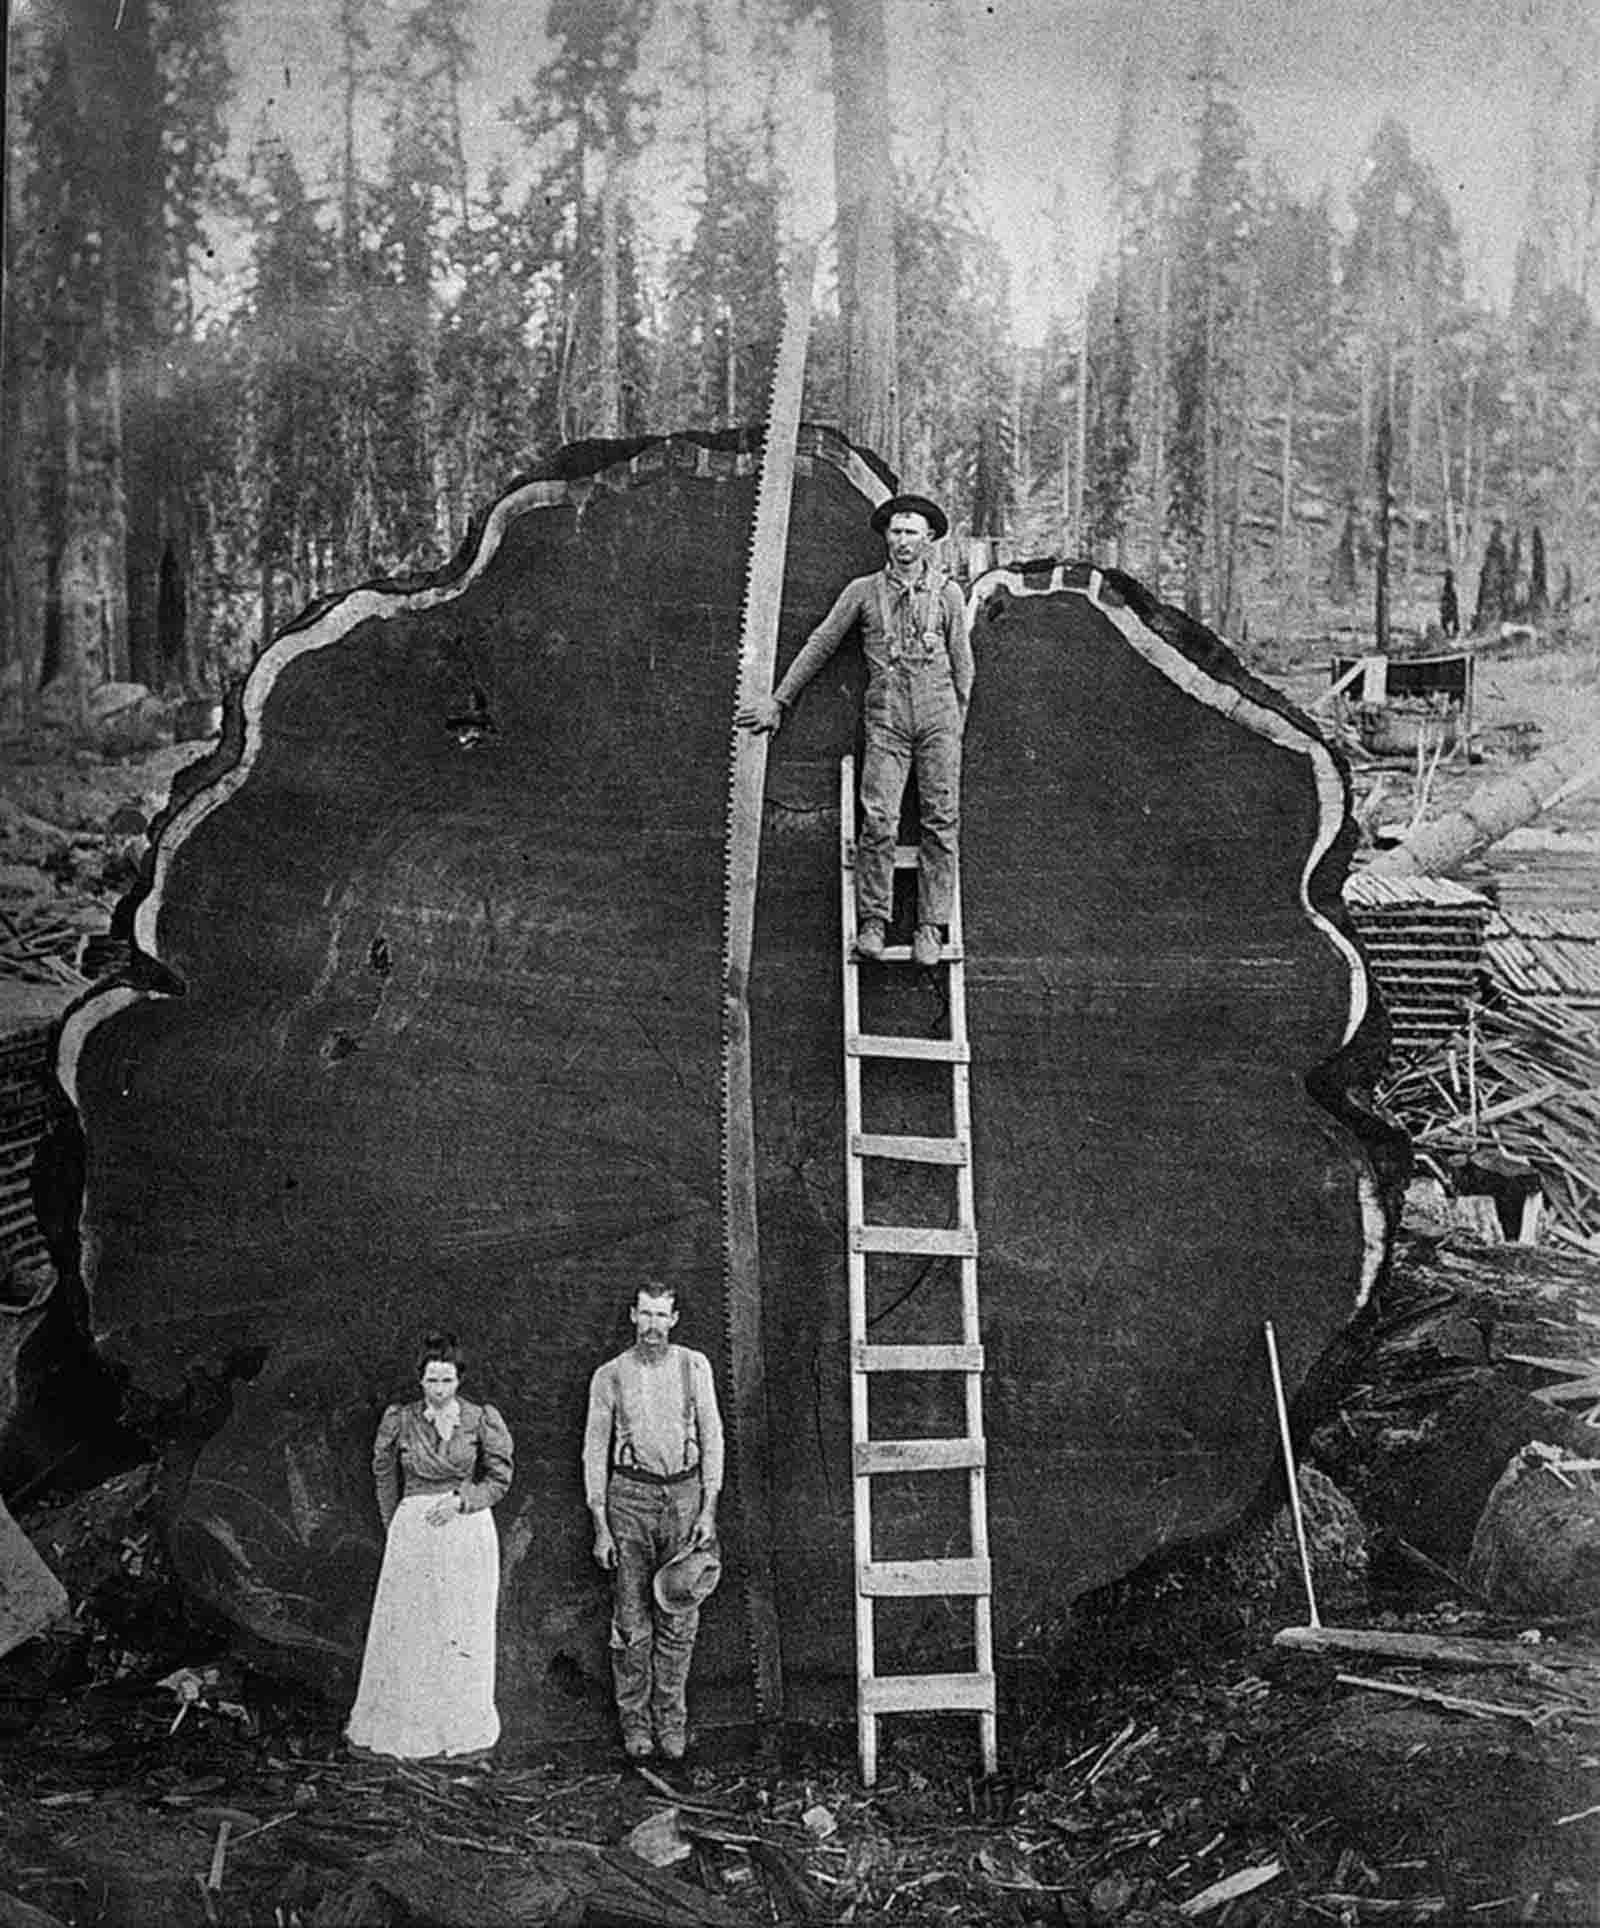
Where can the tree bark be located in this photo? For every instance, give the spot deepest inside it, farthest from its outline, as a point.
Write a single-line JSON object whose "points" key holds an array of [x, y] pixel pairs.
{"points": [[864, 185]]}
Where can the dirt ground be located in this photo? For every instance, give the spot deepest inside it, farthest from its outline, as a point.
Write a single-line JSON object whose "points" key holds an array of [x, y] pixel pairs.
{"points": [[1155, 1742]]}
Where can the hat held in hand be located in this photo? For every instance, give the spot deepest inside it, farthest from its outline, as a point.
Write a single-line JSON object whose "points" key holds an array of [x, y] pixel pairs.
{"points": [[688, 1578]]}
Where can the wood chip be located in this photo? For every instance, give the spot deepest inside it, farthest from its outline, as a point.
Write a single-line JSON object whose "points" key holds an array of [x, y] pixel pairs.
{"points": [[1452, 1703], [1230, 1887]]}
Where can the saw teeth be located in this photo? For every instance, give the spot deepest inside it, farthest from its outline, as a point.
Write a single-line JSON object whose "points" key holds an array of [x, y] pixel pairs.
{"points": [[747, 762]]}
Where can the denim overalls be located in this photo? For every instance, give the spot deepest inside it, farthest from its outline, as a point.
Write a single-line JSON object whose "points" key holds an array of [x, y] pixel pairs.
{"points": [[911, 714]]}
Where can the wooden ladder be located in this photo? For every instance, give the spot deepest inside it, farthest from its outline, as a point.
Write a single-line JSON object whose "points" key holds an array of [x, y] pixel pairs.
{"points": [[964, 1453]]}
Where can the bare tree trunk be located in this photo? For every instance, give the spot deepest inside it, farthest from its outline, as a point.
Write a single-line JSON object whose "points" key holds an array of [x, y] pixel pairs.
{"points": [[1452, 534], [609, 420], [352, 38], [1414, 445], [269, 608], [864, 179], [1364, 417], [1385, 456], [1211, 431], [1231, 614], [1158, 453], [1080, 449], [1285, 507], [93, 577], [1068, 437]]}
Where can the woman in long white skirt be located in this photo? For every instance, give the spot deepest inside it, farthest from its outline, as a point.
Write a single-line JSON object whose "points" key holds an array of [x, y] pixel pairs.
{"points": [[427, 1677]]}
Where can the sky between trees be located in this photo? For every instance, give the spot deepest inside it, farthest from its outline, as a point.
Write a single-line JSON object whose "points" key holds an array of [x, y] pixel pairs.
{"points": [[1495, 97]]}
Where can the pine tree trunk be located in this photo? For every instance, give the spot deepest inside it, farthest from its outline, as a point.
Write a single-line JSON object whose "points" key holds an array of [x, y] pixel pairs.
{"points": [[1158, 457], [1211, 430], [1414, 451], [93, 567], [1285, 507], [1385, 455], [1080, 450], [609, 420], [864, 185], [1452, 534]]}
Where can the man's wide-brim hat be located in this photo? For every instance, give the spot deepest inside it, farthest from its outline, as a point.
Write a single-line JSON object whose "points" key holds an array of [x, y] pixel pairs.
{"points": [[688, 1578], [938, 522]]}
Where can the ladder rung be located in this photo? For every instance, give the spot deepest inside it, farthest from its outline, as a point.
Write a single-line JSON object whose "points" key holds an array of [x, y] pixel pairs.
{"points": [[867, 1044], [901, 954], [927, 1693], [885, 1579], [932, 1241], [918, 1358], [919, 1455], [913, 1151]]}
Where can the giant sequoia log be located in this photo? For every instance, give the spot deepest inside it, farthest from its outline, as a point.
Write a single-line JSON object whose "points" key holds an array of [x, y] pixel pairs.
{"points": [[428, 1023]]}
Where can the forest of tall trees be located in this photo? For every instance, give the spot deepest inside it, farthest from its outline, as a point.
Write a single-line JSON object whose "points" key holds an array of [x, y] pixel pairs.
{"points": [[1234, 389]]}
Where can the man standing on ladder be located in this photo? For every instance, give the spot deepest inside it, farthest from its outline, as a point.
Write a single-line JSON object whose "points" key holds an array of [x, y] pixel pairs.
{"points": [[919, 683]]}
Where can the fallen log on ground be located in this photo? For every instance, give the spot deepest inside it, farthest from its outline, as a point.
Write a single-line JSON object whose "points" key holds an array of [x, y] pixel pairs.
{"points": [[1447, 1388], [446, 909], [1536, 1547], [1459, 1652], [1440, 847]]}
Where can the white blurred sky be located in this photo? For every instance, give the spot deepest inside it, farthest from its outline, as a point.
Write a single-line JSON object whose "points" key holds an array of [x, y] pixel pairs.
{"points": [[1483, 85]]}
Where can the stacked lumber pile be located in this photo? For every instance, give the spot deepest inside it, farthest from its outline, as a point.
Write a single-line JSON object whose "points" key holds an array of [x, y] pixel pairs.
{"points": [[27, 1013], [1424, 938], [39, 943], [1522, 1081]]}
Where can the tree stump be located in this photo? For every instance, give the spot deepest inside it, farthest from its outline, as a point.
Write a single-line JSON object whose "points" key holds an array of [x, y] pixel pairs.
{"points": [[444, 911]]}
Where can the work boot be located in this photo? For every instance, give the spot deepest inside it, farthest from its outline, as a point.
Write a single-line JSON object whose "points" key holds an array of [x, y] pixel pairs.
{"points": [[673, 1746], [637, 1745], [869, 939], [925, 945]]}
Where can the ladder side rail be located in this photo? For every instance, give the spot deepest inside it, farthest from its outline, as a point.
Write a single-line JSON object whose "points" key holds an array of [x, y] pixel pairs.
{"points": [[966, 1215], [856, 1276]]}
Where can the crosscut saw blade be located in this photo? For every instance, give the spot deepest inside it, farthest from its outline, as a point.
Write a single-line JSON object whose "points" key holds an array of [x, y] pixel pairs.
{"points": [[758, 649]]}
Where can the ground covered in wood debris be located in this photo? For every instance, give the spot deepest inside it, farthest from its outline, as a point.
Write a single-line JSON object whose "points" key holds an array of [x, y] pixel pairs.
{"points": [[1164, 1760]]}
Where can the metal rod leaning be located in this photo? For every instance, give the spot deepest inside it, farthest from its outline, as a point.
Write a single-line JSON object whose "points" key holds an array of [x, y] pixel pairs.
{"points": [[1288, 1467]]}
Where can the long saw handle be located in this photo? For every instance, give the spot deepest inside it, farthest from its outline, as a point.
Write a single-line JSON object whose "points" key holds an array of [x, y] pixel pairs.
{"points": [[758, 649]]}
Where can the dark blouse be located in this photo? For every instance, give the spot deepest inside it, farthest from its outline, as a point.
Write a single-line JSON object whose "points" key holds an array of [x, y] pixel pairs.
{"points": [[476, 1462]]}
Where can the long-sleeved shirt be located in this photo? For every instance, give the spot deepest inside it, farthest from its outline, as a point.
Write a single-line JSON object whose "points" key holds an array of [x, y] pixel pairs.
{"points": [[901, 622], [659, 1416], [475, 1461]]}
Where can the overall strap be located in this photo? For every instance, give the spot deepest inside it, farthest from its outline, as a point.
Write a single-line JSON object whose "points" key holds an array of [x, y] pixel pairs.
{"points": [[933, 621], [622, 1450], [881, 595], [690, 1421]]}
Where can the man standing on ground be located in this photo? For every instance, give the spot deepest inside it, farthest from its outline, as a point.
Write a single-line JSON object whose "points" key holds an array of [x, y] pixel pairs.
{"points": [[652, 1472], [919, 683]]}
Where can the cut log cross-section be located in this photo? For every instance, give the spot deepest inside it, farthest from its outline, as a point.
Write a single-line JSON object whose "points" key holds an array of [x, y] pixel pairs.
{"points": [[446, 910]]}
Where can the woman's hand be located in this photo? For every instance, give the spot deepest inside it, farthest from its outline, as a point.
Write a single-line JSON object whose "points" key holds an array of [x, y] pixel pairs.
{"points": [[605, 1547], [705, 1527], [444, 1509]]}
